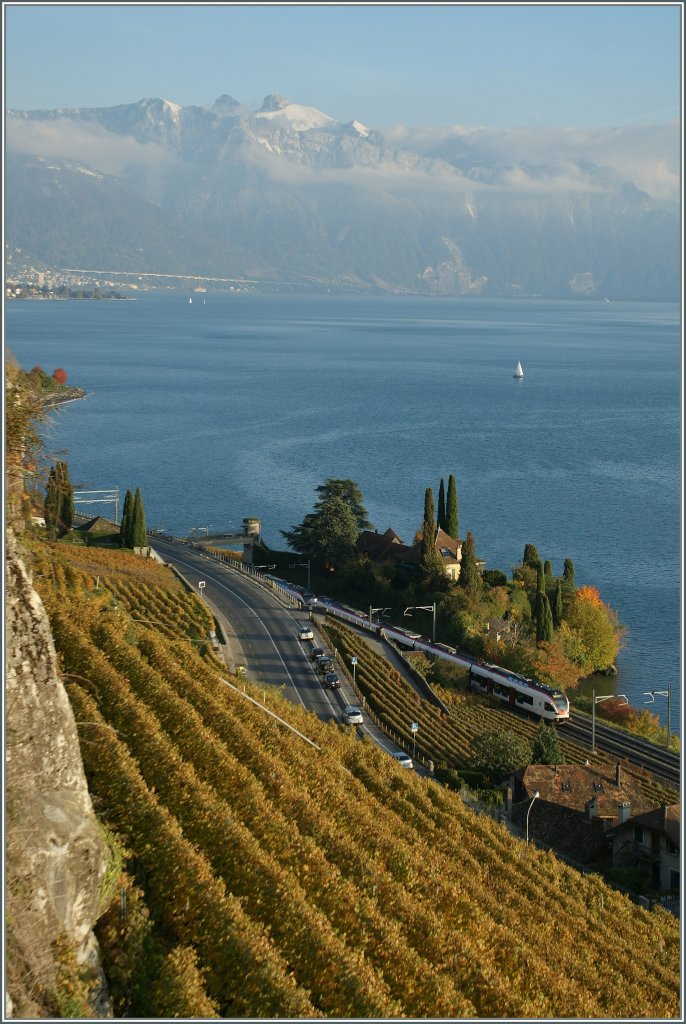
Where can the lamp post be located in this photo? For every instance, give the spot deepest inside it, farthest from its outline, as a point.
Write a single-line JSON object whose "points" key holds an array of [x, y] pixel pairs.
{"points": [[424, 608], [597, 700], [662, 693], [301, 565], [536, 794]]}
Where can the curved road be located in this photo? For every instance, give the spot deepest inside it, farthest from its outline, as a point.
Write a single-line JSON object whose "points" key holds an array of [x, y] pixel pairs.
{"points": [[265, 628]]}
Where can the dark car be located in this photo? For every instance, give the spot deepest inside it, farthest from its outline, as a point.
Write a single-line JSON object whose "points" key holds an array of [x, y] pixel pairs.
{"points": [[324, 665], [331, 681], [317, 652]]}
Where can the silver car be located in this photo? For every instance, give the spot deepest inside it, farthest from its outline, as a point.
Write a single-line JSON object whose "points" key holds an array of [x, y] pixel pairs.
{"points": [[403, 759], [352, 715]]}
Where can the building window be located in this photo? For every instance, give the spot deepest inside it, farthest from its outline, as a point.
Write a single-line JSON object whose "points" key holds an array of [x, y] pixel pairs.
{"points": [[638, 834], [673, 879], [672, 848]]}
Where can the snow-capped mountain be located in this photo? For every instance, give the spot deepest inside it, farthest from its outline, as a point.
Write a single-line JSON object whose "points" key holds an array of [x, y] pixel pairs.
{"points": [[287, 193]]}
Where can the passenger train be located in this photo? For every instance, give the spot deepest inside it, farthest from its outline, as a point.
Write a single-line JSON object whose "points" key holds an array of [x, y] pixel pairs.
{"points": [[508, 687], [514, 690]]}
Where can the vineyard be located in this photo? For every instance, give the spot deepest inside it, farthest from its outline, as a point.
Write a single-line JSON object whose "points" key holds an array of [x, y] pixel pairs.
{"points": [[283, 880], [448, 739]]}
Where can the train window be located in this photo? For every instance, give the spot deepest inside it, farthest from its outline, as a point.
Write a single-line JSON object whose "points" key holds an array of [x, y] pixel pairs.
{"points": [[524, 698], [548, 707]]}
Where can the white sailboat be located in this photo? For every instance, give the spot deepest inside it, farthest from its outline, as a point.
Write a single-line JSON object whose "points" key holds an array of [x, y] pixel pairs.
{"points": [[519, 372], [190, 302]]}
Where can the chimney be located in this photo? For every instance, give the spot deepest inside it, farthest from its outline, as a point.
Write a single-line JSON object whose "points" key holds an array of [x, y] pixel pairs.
{"points": [[591, 808], [618, 775], [624, 812]]}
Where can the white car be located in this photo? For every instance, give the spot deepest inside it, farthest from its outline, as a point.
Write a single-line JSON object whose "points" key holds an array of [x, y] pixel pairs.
{"points": [[305, 633], [352, 715], [403, 759]]}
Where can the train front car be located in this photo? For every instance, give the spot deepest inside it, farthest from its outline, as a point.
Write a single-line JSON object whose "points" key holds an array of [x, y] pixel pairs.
{"points": [[517, 692]]}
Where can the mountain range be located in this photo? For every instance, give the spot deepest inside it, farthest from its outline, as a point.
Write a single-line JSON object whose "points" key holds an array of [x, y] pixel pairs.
{"points": [[287, 196]]}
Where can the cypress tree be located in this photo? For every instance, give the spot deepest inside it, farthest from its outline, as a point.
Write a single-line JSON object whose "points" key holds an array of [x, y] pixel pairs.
{"points": [[544, 619], [138, 532], [66, 510], [469, 577], [430, 564], [540, 587], [126, 521], [557, 605], [531, 555], [548, 571], [52, 504], [568, 575], [441, 506], [451, 517]]}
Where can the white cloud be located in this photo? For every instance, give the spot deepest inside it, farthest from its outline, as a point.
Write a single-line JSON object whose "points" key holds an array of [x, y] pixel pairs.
{"points": [[647, 155], [85, 142]]}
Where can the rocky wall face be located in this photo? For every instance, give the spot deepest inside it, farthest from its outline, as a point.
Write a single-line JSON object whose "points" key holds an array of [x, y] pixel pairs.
{"points": [[56, 855]]}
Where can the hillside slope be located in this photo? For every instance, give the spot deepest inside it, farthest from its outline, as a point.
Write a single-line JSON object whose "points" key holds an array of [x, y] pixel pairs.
{"points": [[309, 874]]}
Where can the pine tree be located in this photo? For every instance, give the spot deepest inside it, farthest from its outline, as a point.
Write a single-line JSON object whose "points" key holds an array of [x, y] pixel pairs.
{"points": [[441, 506], [568, 575], [557, 607], [531, 555], [469, 577], [544, 619], [451, 516], [125, 526], [546, 746], [139, 537]]}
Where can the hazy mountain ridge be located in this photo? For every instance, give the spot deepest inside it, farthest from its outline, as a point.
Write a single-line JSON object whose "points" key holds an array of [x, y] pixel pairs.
{"points": [[288, 194]]}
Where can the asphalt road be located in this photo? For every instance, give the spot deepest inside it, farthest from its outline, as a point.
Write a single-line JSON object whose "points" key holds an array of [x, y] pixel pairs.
{"points": [[262, 629]]}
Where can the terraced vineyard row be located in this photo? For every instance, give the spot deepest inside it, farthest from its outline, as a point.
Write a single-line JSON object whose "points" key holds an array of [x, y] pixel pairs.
{"points": [[331, 883], [397, 704]]}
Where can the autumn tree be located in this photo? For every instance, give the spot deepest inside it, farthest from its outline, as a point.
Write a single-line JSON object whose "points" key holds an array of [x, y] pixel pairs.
{"points": [[60, 375], [594, 634], [451, 509]]}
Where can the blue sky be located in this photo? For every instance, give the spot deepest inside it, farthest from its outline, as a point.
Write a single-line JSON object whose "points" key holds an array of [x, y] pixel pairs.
{"points": [[500, 66]]}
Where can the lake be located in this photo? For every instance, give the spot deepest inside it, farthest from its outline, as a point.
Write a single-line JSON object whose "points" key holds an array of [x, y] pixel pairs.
{"points": [[242, 405]]}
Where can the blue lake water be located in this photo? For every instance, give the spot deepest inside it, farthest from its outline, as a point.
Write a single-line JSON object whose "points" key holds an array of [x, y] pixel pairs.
{"points": [[243, 405]]}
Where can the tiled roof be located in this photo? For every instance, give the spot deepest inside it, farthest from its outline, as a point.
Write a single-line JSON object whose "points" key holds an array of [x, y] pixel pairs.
{"points": [[572, 786]]}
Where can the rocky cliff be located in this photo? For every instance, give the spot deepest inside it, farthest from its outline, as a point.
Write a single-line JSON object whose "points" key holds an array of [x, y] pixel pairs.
{"points": [[57, 856]]}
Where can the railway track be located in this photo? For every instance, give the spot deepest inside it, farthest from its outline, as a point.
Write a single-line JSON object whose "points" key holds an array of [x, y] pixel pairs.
{"points": [[664, 764]]}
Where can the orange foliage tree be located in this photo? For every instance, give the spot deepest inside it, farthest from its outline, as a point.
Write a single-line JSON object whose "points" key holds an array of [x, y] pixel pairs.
{"points": [[60, 375]]}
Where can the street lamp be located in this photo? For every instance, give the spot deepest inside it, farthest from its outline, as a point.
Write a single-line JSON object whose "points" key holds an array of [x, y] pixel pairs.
{"points": [[597, 700], [424, 608], [301, 565], [536, 794], [662, 693]]}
